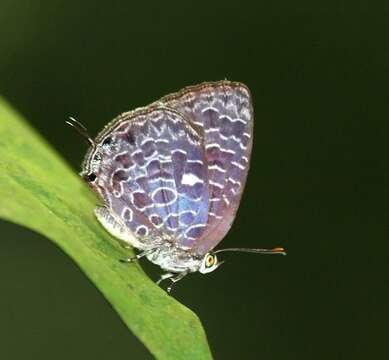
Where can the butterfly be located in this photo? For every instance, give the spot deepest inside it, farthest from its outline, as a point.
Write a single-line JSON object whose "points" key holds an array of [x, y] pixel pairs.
{"points": [[171, 175]]}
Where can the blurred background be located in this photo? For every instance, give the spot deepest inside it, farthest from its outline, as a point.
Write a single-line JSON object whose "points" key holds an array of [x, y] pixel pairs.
{"points": [[318, 183]]}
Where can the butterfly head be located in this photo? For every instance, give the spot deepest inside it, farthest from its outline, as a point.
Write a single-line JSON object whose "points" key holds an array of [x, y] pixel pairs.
{"points": [[209, 263]]}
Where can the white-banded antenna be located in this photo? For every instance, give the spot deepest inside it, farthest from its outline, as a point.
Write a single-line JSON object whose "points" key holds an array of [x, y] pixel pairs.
{"points": [[275, 251]]}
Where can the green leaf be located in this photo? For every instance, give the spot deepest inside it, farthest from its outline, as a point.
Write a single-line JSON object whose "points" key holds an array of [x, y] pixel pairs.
{"points": [[39, 191]]}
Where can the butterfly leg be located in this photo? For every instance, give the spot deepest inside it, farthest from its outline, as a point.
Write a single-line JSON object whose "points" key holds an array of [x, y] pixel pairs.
{"points": [[136, 257], [175, 279], [164, 276]]}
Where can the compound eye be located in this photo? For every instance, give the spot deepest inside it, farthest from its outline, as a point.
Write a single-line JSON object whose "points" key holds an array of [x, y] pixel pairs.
{"points": [[209, 261]]}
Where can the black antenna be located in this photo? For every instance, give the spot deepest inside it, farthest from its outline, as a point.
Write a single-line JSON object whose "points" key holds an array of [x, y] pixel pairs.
{"points": [[275, 251], [81, 129]]}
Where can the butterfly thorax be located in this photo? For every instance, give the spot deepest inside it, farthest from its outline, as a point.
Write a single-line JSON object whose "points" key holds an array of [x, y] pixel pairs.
{"points": [[174, 259]]}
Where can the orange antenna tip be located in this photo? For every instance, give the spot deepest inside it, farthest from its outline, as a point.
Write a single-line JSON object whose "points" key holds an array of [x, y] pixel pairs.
{"points": [[279, 250]]}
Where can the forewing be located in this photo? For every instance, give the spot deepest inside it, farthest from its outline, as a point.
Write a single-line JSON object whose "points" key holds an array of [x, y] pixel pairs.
{"points": [[151, 172], [222, 112]]}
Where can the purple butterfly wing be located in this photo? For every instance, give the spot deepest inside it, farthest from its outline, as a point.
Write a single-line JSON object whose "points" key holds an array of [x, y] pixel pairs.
{"points": [[151, 172], [223, 114]]}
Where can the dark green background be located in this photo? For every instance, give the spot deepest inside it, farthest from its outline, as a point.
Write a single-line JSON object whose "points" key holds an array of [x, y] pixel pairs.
{"points": [[318, 185]]}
